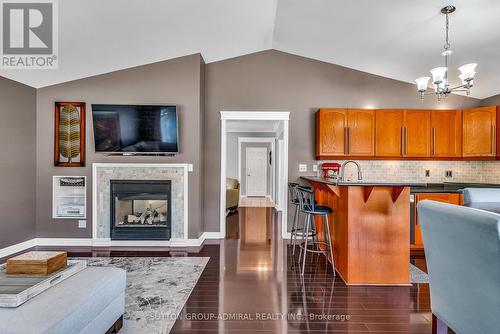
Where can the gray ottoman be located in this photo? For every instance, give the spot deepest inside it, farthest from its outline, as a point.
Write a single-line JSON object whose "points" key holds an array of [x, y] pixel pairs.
{"points": [[91, 302]]}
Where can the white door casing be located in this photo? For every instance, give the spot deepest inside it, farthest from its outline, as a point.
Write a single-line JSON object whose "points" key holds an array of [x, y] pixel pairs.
{"points": [[256, 171]]}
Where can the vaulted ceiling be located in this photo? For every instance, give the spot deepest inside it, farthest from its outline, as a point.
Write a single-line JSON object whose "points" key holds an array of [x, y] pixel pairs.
{"points": [[396, 39]]}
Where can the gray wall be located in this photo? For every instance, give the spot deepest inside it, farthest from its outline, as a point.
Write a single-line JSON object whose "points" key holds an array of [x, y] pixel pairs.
{"points": [[277, 81], [177, 81], [17, 162], [491, 101]]}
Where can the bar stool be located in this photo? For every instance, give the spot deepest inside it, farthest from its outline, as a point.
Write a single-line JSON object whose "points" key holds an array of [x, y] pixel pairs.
{"points": [[294, 200], [312, 210]]}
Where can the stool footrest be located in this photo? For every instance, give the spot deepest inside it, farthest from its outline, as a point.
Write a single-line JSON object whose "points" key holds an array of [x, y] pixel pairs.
{"points": [[319, 243]]}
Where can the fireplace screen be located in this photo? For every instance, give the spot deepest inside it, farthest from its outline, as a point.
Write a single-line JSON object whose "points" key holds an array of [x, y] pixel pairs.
{"points": [[140, 210]]}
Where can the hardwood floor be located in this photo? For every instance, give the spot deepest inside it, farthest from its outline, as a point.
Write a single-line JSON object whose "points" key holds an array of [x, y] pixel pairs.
{"points": [[257, 288], [260, 290]]}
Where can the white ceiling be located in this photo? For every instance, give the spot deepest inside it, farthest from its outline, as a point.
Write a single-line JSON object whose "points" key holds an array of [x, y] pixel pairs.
{"points": [[399, 39]]}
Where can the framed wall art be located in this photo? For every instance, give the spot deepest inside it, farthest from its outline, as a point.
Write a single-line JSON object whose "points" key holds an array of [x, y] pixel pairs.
{"points": [[69, 134]]}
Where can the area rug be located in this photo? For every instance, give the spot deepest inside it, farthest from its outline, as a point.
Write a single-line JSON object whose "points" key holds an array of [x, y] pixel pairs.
{"points": [[417, 275], [157, 289]]}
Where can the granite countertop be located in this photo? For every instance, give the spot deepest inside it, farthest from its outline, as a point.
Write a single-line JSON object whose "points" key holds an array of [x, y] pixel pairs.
{"points": [[416, 187], [362, 183]]}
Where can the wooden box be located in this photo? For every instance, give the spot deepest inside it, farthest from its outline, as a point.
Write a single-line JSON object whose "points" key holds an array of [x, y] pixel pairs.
{"points": [[36, 263]]}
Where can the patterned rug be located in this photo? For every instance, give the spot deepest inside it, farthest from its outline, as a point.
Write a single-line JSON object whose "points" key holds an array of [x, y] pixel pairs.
{"points": [[417, 275], [157, 289]]}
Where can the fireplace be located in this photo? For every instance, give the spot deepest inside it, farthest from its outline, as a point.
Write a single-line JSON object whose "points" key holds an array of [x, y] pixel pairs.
{"points": [[141, 209]]}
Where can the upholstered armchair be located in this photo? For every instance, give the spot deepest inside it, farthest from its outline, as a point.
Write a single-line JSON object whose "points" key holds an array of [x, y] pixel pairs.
{"points": [[232, 193], [462, 250]]}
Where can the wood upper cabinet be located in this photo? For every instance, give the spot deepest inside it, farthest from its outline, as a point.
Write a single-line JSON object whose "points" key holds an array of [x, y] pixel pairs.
{"points": [[342, 132], [446, 133], [361, 132], [389, 133], [417, 133], [479, 132], [331, 125], [439, 197]]}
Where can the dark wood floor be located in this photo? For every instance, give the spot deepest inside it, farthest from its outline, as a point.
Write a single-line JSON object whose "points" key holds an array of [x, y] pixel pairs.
{"points": [[252, 286], [263, 287]]}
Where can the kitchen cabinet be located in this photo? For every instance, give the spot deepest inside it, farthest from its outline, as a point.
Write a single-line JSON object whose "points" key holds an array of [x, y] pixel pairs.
{"points": [[403, 133], [479, 132], [417, 133], [451, 198], [389, 133], [361, 132], [331, 127], [446, 133], [343, 132]]}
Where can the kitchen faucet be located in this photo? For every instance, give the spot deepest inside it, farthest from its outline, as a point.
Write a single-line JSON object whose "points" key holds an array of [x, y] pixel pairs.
{"points": [[342, 170]]}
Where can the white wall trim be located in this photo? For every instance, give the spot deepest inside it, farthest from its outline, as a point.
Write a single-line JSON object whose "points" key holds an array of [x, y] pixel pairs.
{"points": [[63, 242], [106, 242], [135, 165], [16, 248], [283, 116], [266, 140], [255, 115]]}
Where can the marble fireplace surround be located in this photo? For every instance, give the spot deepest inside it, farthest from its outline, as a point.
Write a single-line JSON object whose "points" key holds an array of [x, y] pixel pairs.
{"points": [[102, 173]]}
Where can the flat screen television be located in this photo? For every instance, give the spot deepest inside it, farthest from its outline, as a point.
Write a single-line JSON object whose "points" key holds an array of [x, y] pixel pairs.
{"points": [[135, 129]]}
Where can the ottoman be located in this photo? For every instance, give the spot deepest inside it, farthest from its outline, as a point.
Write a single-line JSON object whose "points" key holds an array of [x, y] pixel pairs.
{"points": [[91, 302]]}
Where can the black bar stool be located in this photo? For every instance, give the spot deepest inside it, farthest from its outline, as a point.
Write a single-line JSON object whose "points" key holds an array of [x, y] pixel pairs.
{"points": [[294, 200], [312, 210]]}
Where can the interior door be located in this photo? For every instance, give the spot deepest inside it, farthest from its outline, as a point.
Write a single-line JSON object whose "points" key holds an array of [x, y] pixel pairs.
{"points": [[417, 133], [446, 127], [256, 171], [389, 133]]}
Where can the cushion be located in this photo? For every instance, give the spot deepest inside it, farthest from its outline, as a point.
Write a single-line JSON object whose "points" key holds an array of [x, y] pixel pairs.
{"points": [[232, 183]]}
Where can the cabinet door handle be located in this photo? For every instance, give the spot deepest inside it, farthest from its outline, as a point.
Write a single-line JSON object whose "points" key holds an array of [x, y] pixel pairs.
{"points": [[348, 140], [433, 141], [345, 140], [402, 141], [406, 141], [493, 141]]}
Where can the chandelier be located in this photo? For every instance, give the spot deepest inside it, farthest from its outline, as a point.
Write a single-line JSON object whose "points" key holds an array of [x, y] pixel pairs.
{"points": [[440, 74]]}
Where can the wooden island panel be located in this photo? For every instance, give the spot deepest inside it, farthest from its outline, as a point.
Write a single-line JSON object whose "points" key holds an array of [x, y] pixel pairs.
{"points": [[371, 232]]}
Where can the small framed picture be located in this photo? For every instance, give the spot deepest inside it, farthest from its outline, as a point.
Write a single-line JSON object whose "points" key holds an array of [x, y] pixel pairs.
{"points": [[69, 134]]}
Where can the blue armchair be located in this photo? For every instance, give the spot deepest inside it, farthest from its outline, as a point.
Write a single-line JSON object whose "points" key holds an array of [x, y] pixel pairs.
{"points": [[462, 249]]}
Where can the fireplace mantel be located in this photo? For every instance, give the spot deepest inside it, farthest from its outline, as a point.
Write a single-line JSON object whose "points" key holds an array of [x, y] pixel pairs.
{"points": [[103, 173]]}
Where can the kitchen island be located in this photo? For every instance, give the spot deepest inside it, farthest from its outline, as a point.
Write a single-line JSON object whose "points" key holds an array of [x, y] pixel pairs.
{"points": [[371, 229]]}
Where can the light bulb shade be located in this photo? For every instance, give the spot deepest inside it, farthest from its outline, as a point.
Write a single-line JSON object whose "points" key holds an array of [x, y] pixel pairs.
{"points": [[422, 83], [438, 75], [467, 72]]}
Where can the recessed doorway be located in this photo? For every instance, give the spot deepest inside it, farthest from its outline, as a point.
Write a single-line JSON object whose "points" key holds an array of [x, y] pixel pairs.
{"points": [[254, 166]]}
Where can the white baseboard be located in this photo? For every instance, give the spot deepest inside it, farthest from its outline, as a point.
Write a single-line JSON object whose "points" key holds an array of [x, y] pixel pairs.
{"points": [[63, 242], [107, 242], [17, 247]]}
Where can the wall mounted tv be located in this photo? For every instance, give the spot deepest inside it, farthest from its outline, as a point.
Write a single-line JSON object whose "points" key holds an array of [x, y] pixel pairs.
{"points": [[135, 129]]}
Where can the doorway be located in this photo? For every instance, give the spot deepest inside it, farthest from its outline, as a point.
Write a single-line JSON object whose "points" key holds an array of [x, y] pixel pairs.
{"points": [[261, 162]]}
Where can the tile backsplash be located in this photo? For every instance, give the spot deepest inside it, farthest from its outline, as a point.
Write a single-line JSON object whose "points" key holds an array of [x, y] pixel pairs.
{"points": [[414, 171]]}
